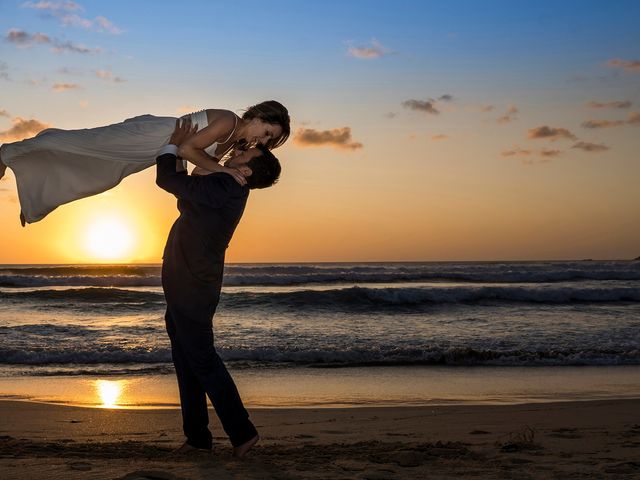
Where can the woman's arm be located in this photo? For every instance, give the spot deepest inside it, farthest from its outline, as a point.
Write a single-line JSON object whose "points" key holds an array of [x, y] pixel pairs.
{"points": [[193, 148]]}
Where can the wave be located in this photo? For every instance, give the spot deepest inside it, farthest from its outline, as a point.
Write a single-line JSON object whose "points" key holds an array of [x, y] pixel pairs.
{"points": [[349, 299], [116, 358], [246, 275]]}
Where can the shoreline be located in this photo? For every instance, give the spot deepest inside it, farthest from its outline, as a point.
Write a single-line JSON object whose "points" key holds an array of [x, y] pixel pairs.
{"points": [[597, 438], [346, 387]]}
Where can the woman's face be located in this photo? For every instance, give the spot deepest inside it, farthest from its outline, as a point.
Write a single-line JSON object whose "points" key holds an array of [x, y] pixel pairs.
{"points": [[261, 132]]}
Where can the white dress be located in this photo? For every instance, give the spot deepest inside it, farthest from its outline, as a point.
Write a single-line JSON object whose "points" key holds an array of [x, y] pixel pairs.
{"points": [[59, 166]]}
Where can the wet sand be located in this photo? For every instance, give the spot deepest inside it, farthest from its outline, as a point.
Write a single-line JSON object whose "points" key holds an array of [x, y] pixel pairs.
{"points": [[592, 439]]}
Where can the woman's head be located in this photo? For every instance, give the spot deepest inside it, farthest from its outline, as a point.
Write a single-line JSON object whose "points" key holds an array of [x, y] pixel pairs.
{"points": [[269, 123]]}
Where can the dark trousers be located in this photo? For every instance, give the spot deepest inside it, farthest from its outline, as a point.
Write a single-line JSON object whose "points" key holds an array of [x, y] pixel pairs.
{"points": [[202, 373]]}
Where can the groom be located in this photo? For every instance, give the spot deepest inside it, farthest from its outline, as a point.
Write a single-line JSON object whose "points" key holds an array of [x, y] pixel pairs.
{"points": [[210, 208]]}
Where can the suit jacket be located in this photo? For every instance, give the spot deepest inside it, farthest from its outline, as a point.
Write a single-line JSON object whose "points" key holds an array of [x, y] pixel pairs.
{"points": [[210, 208]]}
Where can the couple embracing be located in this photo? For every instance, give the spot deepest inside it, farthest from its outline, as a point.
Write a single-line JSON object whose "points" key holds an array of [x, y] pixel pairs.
{"points": [[59, 166]]}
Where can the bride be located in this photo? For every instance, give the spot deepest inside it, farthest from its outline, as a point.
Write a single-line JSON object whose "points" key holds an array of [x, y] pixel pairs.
{"points": [[59, 166]]}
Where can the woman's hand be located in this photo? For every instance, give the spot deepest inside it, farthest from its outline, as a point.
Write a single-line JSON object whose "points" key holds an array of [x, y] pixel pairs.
{"points": [[236, 174], [183, 131]]}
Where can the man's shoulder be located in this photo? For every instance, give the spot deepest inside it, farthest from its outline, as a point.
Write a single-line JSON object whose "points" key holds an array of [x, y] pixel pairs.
{"points": [[229, 183]]}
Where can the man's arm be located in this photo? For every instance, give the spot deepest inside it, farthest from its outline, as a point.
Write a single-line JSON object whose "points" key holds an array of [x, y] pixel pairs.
{"points": [[211, 190]]}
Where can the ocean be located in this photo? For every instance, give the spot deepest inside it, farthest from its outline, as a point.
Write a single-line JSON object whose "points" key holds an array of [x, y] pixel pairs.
{"points": [[322, 320]]}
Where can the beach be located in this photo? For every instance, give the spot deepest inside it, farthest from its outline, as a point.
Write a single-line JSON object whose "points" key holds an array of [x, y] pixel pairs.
{"points": [[356, 370], [592, 439]]}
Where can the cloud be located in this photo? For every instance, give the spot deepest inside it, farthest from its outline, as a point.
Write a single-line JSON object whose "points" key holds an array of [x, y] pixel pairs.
{"points": [[109, 77], [23, 39], [105, 25], [590, 147], [60, 47], [628, 65], [66, 6], [531, 157], [602, 123], [375, 50], [509, 115], [61, 87], [4, 113], [550, 153], [429, 105], [22, 129], [516, 152], [439, 136], [338, 138], [421, 106], [614, 104], [633, 118], [486, 108], [391, 114], [550, 133], [65, 13]]}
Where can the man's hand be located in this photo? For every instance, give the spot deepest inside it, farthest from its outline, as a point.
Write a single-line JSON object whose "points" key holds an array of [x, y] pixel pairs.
{"points": [[183, 131]]}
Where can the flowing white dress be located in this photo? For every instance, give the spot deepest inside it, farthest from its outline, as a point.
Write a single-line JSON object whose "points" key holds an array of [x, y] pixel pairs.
{"points": [[59, 166]]}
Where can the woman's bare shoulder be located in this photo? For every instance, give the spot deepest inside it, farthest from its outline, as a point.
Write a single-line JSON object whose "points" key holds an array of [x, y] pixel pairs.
{"points": [[220, 115]]}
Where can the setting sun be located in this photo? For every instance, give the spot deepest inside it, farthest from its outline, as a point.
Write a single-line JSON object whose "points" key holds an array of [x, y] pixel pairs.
{"points": [[109, 238]]}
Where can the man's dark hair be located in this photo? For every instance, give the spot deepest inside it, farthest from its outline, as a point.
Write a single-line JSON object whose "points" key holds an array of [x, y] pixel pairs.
{"points": [[265, 169]]}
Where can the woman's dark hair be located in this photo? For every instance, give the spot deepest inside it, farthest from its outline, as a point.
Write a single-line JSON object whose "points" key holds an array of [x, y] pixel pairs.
{"points": [[274, 113], [265, 169]]}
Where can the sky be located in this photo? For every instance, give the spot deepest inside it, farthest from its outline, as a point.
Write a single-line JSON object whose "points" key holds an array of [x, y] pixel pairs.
{"points": [[421, 130]]}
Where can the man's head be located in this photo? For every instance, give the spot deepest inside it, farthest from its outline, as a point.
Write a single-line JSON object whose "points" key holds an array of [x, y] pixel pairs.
{"points": [[259, 166]]}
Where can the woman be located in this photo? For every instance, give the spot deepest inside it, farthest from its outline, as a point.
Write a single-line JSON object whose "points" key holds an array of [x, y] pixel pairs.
{"points": [[59, 166]]}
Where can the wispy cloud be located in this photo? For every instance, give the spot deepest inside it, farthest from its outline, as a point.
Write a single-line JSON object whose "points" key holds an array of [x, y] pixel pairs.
{"points": [[62, 87], [602, 123], [532, 157], [21, 129], [590, 147], [368, 52], [338, 138], [109, 76], [439, 136], [67, 13], [421, 106], [486, 108], [613, 104], [628, 65], [23, 39], [66, 6], [4, 113], [509, 115], [391, 114], [516, 152], [633, 118], [427, 106], [549, 133]]}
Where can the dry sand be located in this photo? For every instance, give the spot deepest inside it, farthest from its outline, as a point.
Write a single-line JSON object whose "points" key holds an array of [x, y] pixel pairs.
{"points": [[569, 440]]}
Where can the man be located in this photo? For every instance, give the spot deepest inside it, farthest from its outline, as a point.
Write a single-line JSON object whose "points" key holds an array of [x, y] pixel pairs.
{"points": [[210, 208]]}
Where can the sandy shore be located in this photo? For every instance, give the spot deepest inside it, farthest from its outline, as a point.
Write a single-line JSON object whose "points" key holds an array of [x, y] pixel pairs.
{"points": [[594, 439]]}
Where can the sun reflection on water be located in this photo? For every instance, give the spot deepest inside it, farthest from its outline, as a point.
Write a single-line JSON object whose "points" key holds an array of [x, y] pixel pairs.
{"points": [[109, 392]]}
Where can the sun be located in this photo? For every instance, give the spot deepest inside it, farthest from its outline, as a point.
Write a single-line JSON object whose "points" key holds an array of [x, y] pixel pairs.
{"points": [[109, 238]]}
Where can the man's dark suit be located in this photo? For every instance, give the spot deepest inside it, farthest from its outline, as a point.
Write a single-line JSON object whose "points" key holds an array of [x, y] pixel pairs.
{"points": [[210, 209]]}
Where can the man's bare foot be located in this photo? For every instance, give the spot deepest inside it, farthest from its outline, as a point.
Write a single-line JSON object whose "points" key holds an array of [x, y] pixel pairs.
{"points": [[187, 450], [241, 450]]}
